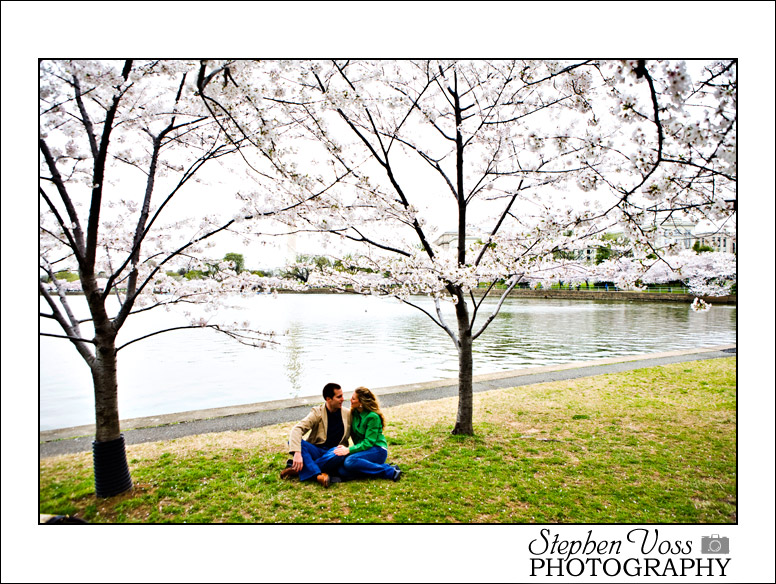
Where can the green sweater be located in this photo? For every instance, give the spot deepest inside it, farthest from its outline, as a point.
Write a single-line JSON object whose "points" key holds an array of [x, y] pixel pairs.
{"points": [[366, 430]]}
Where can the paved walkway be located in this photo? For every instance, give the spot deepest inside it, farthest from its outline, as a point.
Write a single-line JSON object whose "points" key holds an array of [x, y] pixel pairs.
{"points": [[169, 427]]}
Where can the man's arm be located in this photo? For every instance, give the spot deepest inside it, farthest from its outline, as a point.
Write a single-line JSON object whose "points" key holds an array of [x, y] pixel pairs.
{"points": [[295, 438]]}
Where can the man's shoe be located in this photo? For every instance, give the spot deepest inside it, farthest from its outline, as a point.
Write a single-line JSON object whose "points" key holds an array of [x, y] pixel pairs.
{"points": [[334, 480], [397, 474], [323, 479], [288, 473]]}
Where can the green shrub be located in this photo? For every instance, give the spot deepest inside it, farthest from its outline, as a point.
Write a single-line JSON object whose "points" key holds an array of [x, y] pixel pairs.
{"points": [[66, 276]]}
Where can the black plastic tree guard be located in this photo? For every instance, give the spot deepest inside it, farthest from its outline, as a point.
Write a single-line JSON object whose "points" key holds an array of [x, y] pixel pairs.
{"points": [[111, 473]]}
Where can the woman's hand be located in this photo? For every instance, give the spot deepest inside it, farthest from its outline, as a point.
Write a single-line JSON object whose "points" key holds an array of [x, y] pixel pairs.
{"points": [[341, 450]]}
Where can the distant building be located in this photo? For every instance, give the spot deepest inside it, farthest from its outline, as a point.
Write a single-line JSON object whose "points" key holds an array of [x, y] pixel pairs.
{"points": [[720, 241], [686, 233], [449, 240], [683, 234], [675, 231]]}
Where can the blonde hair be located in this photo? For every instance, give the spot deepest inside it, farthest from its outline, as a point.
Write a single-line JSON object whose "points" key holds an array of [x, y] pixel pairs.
{"points": [[369, 402]]}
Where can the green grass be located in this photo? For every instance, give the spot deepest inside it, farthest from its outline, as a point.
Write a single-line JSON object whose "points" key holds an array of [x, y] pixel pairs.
{"points": [[653, 445]]}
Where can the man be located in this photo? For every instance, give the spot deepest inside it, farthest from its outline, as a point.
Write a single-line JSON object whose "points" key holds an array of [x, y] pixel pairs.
{"points": [[329, 426]]}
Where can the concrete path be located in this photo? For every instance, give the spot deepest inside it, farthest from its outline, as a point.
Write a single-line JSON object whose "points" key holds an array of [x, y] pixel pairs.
{"points": [[171, 426]]}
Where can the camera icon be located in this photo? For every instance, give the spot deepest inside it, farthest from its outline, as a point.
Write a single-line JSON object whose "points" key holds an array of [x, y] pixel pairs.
{"points": [[715, 545]]}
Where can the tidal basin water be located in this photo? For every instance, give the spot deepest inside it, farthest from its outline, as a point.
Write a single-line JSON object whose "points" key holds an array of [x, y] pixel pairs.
{"points": [[352, 340]]}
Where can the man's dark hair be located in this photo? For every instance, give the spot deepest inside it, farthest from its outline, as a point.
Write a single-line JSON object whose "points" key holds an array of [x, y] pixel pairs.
{"points": [[328, 390]]}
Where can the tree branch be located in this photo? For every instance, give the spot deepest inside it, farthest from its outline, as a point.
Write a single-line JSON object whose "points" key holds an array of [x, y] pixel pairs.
{"points": [[79, 246], [478, 304], [233, 334], [74, 339], [514, 280], [71, 334], [98, 179], [74, 322], [85, 120]]}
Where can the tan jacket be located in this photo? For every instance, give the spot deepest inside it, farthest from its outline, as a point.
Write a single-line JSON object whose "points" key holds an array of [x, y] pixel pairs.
{"points": [[316, 423]]}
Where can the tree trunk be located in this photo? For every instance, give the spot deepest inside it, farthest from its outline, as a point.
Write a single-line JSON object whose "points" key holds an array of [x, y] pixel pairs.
{"points": [[111, 471], [106, 402], [463, 422]]}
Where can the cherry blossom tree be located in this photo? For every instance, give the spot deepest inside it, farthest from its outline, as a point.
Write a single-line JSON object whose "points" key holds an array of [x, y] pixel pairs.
{"points": [[121, 144], [534, 160]]}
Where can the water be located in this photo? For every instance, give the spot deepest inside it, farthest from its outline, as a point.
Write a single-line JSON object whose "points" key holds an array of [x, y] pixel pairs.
{"points": [[353, 341]]}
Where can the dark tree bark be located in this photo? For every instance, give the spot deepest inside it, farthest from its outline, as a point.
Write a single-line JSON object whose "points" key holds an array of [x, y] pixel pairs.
{"points": [[464, 418]]}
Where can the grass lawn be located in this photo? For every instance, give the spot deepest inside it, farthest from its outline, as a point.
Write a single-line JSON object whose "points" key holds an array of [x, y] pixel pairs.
{"points": [[654, 445]]}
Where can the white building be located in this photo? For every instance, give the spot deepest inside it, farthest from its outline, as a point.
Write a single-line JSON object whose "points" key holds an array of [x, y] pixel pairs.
{"points": [[686, 233], [719, 240], [449, 240], [675, 231]]}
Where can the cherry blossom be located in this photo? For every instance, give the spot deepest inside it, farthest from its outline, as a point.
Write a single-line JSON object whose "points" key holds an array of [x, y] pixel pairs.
{"points": [[121, 142], [543, 158], [536, 160]]}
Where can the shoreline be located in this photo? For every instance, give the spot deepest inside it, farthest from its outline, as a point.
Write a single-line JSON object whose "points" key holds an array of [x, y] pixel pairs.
{"points": [[241, 417], [622, 295]]}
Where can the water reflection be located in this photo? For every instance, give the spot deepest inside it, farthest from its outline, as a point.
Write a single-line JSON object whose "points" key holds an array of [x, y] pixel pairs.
{"points": [[356, 341], [294, 361]]}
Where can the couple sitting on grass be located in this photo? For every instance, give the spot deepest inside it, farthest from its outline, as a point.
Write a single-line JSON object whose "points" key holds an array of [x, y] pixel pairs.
{"points": [[325, 454]]}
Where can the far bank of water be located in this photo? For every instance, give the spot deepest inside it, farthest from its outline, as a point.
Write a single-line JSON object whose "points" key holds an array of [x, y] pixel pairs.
{"points": [[353, 341]]}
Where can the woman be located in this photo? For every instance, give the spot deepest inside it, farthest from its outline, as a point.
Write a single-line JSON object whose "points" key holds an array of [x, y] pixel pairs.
{"points": [[366, 458]]}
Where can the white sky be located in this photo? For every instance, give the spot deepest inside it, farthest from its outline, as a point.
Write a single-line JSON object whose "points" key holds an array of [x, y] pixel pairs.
{"points": [[484, 29]]}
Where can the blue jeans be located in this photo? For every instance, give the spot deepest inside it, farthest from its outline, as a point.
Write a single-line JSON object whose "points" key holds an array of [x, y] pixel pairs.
{"points": [[367, 464], [317, 460]]}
